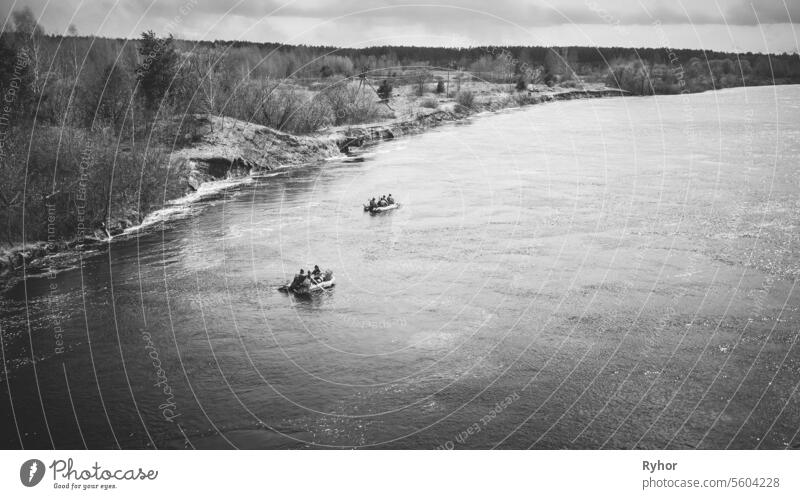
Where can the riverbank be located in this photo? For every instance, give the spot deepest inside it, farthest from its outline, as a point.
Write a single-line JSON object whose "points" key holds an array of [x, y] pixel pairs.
{"points": [[225, 148], [422, 119], [223, 153]]}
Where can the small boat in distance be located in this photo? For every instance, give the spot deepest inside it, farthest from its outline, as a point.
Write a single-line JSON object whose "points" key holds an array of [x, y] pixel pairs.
{"points": [[384, 203], [380, 209], [307, 284]]}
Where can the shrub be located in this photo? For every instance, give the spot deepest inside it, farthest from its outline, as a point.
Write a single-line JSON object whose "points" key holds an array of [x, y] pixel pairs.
{"points": [[105, 99], [631, 76], [420, 79], [385, 90], [571, 84], [429, 102], [102, 177], [523, 99], [465, 98], [351, 103]]}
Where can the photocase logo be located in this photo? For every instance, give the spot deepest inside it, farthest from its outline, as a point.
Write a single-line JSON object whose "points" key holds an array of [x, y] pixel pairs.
{"points": [[31, 472]]}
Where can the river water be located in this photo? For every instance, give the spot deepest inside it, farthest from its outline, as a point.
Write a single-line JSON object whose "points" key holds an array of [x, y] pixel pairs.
{"points": [[607, 273]]}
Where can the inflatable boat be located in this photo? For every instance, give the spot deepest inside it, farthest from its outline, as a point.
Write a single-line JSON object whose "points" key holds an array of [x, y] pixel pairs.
{"points": [[308, 288], [381, 209]]}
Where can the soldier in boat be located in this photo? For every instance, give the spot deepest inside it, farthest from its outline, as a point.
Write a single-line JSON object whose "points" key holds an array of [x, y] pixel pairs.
{"points": [[298, 281]]}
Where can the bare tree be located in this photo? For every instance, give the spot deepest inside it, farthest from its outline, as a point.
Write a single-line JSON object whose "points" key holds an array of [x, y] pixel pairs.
{"points": [[72, 31], [32, 32], [205, 65], [420, 79]]}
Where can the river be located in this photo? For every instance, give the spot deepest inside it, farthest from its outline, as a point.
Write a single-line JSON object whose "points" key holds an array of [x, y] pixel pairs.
{"points": [[605, 273]]}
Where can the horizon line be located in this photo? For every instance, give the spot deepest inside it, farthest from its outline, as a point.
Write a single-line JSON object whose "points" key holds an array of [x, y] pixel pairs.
{"points": [[449, 47]]}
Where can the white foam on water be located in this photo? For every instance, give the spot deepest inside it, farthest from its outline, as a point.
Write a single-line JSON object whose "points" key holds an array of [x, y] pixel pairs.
{"points": [[269, 175], [184, 206], [337, 157]]}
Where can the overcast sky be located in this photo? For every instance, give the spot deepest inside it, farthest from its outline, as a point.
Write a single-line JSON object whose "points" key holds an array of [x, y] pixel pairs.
{"points": [[740, 25]]}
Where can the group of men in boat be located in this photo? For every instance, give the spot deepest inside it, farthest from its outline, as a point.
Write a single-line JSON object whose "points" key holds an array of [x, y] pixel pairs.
{"points": [[381, 203], [307, 278]]}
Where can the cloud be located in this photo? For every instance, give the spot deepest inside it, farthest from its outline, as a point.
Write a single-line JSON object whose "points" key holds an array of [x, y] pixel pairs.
{"points": [[529, 13], [356, 22], [757, 12]]}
